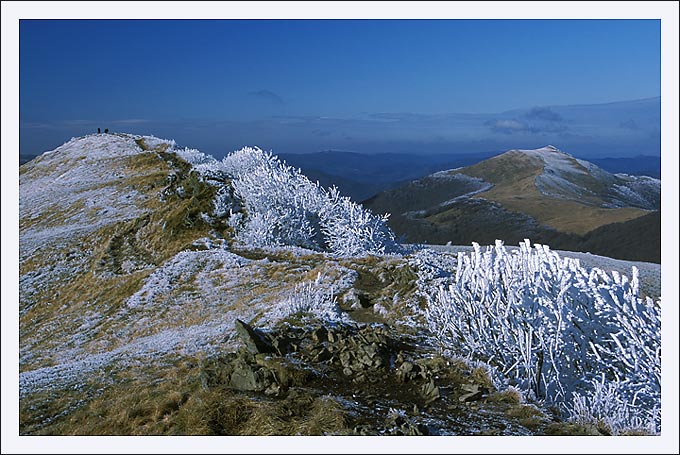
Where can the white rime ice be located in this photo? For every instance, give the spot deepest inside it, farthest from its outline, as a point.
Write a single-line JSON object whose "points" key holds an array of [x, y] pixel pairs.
{"points": [[565, 335], [310, 298], [279, 206]]}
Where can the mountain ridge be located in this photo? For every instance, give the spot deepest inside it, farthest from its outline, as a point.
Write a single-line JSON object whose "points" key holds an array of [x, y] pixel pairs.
{"points": [[551, 195]]}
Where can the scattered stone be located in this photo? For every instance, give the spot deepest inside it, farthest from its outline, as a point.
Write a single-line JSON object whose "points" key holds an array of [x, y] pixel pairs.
{"points": [[408, 371], [398, 424], [273, 389], [330, 336], [474, 392], [255, 341], [323, 355], [282, 371], [367, 363], [320, 335], [245, 378], [363, 430], [430, 391], [351, 300], [281, 345]]}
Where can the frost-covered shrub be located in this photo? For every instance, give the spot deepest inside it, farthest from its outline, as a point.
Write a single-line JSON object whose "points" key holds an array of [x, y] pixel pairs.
{"points": [[271, 204], [605, 408], [310, 298], [351, 230], [282, 207], [552, 327]]}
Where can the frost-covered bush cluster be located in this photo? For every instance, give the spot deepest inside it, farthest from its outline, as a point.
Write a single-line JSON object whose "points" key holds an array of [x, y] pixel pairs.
{"points": [[201, 162], [283, 207], [556, 331], [310, 298], [279, 206]]}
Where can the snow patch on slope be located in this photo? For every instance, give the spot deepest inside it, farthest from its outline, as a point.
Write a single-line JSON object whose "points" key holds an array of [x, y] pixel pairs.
{"points": [[564, 176]]}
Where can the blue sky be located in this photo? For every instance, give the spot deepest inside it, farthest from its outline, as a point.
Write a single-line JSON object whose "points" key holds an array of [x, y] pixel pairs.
{"points": [[359, 85]]}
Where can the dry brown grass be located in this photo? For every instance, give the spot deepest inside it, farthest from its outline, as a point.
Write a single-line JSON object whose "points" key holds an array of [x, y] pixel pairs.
{"points": [[571, 429], [509, 396], [480, 375], [167, 227], [528, 415], [302, 415], [563, 215], [509, 167], [175, 400]]}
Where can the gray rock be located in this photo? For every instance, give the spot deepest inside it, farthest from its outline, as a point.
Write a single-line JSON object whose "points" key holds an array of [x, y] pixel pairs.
{"points": [[283, 372], [367, 360], [408, 371], [430, 391], [401, 425], [363, 430], [474, 392], [355, 300], [345, 358], [255, 341], [323, 355], [320, 335], [247, 379]]}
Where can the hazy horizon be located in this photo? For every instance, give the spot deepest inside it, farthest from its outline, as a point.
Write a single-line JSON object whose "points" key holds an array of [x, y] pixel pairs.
{"points": [[588, 131]]}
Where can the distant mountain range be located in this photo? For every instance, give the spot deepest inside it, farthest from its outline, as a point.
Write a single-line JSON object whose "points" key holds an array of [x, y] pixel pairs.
{"points": [[637, 165], [361, 176], [544, 194]]}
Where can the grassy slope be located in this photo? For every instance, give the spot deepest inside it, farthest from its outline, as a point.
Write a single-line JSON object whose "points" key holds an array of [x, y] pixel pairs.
{"points": [[97, 287], [514, 209]]}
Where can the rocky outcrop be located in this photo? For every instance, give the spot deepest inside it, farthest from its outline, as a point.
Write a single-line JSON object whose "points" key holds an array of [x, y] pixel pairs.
{"points": [[385, 381]]}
